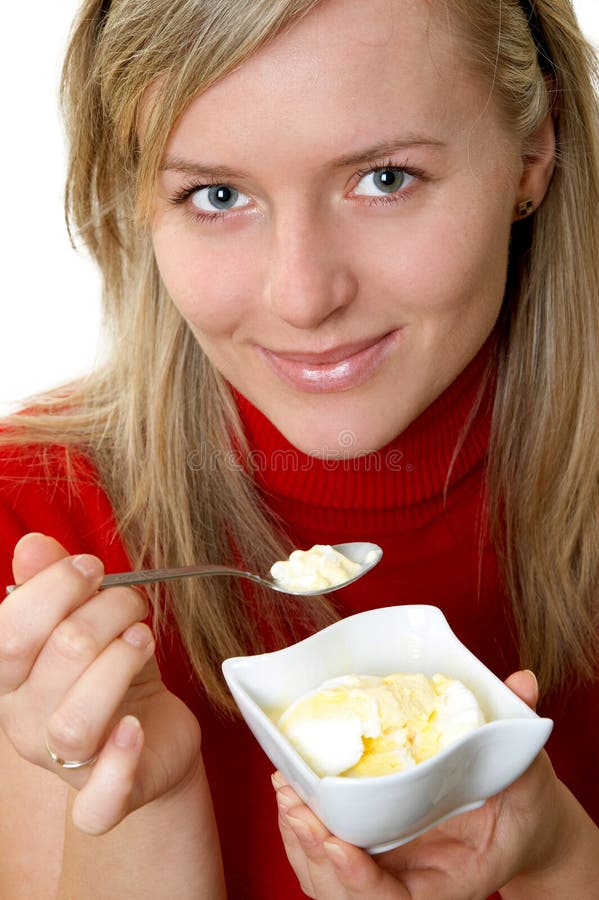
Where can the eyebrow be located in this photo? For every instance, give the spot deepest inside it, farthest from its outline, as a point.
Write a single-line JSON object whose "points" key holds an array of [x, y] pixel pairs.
{"points": [[384, 148], [199, 170], [365, 155]]}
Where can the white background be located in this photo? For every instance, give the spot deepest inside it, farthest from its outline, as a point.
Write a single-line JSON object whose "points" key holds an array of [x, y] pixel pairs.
{"points": [[49, 306]]}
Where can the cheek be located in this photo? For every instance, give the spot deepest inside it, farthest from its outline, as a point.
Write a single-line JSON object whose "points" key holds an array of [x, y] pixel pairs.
{"points": [[209, 285], [453, 266]]}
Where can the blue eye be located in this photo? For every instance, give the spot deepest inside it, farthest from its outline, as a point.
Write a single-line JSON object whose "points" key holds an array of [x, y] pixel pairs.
{"points": [[383, 181], [218, 198]]}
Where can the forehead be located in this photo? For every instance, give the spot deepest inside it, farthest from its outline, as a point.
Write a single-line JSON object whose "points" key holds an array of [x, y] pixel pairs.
{"points": [[346, 67]]}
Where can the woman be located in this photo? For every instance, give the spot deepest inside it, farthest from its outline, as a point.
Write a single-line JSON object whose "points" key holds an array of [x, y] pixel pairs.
{"points": [[347, 283]]}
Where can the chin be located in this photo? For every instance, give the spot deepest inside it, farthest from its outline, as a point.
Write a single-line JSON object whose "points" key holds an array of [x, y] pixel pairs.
{"points": [[346, 442]]}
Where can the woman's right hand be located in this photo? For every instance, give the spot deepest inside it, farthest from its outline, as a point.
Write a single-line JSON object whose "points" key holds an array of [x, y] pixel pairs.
{"points": [[78, 671], [533, 841]]}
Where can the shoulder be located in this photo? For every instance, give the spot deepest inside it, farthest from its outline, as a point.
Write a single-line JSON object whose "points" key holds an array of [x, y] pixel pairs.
{"points": [[55, 491]]}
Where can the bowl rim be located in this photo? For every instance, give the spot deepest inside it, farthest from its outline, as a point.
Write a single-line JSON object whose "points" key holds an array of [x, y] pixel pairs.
{"points": [[232, 665]]}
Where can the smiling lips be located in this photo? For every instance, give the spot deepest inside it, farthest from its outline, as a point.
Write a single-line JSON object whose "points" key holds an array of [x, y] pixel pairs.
{"points": [[338, 369]]}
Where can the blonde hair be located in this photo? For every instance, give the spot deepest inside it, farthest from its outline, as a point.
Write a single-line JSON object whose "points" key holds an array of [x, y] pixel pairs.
{"points": [[157, 399], [543, 470]]}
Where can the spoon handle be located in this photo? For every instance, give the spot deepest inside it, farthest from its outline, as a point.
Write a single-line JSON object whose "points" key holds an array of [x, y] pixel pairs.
{"points": [[362, 552], [147, 576]]}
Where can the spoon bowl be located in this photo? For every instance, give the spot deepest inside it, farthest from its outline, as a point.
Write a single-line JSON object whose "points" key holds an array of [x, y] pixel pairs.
{"points": [[366, 554]]}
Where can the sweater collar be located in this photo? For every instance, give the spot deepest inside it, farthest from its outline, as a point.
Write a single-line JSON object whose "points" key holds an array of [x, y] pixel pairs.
{"points": [[449, 438]]}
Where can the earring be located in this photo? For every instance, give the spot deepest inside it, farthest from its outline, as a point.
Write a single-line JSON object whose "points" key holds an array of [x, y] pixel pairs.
{"points": [[525, 208]]}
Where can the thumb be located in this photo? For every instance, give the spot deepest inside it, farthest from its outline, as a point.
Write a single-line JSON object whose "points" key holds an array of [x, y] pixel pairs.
{"points": [[33, 553], [524, 685]]}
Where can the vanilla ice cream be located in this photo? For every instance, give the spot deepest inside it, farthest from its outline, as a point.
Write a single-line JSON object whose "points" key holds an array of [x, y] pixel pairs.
{"points": [[360, 725], [316, 569]]}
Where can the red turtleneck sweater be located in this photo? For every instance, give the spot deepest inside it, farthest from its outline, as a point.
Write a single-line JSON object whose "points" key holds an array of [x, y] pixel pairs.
{"points": [[433, 553]]}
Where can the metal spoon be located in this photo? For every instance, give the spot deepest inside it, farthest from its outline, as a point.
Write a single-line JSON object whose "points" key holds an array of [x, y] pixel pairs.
{"points": [[365, 554]]}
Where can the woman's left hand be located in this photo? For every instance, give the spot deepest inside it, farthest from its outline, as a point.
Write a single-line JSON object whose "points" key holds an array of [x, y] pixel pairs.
{"points": [[468, 856]]}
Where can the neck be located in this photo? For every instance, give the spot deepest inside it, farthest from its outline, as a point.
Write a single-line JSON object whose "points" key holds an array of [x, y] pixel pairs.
{"points": [[438, 449]]}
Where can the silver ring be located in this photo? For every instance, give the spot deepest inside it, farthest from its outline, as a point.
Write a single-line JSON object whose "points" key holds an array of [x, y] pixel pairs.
{"points": [[69, 763]]}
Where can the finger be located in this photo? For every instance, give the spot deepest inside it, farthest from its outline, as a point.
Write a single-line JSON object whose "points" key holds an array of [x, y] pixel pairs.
{"points": [[359, 874], [524, 684], [105, 799], [286, 799], [30, 614], [33, 553], [312, 835], [330, 868], [80, 638], [77, 728]]}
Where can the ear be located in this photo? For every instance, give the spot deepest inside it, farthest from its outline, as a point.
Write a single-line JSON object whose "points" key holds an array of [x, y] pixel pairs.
{"points": [[538, 165]]}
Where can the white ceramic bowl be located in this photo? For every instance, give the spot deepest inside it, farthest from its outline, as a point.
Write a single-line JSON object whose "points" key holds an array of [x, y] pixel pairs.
{"points": [[385, 811]]}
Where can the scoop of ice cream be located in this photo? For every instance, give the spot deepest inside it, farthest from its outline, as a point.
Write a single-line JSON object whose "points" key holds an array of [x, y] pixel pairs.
{"points": [[359, 725], [316, 569]]}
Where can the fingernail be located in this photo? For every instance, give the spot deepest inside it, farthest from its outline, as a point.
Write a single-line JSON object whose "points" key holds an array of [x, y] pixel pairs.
{"points": [[27, 537], [138, 635], [284, 801], [88, 565], [534, 678], [128, 733], [25, 540], [302, 830], [277, 780], [143, 595]]}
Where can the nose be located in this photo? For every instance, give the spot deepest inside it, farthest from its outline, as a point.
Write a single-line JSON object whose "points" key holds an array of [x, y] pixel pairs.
{"points": [[310, 275]]}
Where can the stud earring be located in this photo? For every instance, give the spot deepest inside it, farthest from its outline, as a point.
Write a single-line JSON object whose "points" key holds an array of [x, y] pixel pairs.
{"points": [[525, 208]]}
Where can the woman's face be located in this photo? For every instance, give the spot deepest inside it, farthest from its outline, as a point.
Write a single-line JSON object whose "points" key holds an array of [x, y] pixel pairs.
{"points": [[333, 219]]}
